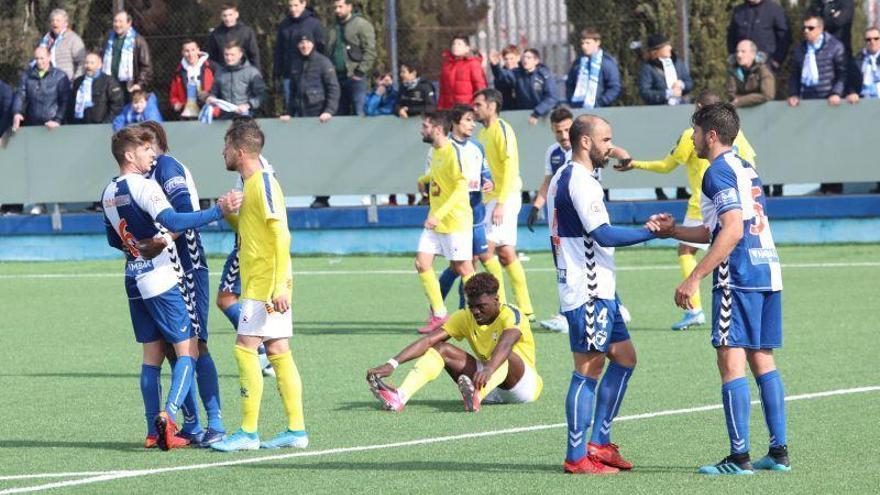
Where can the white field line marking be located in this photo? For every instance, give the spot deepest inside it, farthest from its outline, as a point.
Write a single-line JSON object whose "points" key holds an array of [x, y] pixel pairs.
{"points": [[28, 276], [115, 475]]}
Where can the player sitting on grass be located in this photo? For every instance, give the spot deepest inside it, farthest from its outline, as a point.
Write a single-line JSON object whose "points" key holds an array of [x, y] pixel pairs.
{"points": [[159, 301], [502, 369]]}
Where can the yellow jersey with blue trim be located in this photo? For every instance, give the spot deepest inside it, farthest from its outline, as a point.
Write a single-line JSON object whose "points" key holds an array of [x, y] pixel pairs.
{"points": [[502, 152], [685, 154], [450, 200], [264, 251], [484, 338]]}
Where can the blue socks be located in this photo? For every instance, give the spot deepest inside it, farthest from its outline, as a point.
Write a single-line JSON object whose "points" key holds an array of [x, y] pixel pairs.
{"points": [[233, 313], [181, 381], [773, 402], [447, 278], [151, 390], [737, 406], [209, 390], [578, 413], [609, 397], [192, 423]]}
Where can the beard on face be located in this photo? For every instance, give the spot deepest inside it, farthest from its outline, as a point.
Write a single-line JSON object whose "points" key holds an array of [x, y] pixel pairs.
{"points": [[428, 139], [599, 161]]}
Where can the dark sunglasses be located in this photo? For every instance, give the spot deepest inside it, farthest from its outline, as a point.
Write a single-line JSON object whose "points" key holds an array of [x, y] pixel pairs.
{"points": [[876, 38], [810, 28]]}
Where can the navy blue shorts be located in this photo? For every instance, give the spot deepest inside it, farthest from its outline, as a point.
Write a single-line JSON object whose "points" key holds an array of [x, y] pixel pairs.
{"points": [[230, 280], [595, 325], [163, 317], [199, 292], [752, 320], [481, 244]]}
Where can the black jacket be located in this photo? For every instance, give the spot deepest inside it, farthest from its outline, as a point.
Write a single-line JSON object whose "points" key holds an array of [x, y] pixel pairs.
{"points": [[43, 99], [833, 70], [7, 97], [314, 87], [107, 101], [652, 82], [418, 100], [765, 24], [242, 34], [856, 78], [838, 16], [290, 31]]}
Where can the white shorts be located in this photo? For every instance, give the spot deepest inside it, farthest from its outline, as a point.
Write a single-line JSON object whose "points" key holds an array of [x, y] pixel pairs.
{"points": [[454, 246], [259, 319], [528, 389], [693, 222], [504, 234]]}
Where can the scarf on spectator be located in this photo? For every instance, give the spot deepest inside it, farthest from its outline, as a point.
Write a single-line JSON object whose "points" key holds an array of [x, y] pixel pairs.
{"points": [[206, 116], [83, 97], [671, 75], [587, 87], [49, 42], [126, 64], [810, 70], [194, 84], [870, 75]]}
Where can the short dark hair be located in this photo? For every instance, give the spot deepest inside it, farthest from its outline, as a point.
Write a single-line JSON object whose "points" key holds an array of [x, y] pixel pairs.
{"points": [[583, 125], [378, 74], [560, 114], [126, 139], [590, 33], [123, 11], [248, 120], [440, 118], [458, 112], [187, 41], [533, 51], [138, 94], [347, 2], [510, 49], [247, 137], [491, 95], [814, 16], [462, 37], [707, 97], [480, 284], [409, 66], [158, 133], [719, 117], [233, 44], [229, 6]]}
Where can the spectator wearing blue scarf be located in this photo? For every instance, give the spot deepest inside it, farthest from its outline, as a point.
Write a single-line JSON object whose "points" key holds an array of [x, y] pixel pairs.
{"points": [[594, 78], [865, 69], [819, 66]]}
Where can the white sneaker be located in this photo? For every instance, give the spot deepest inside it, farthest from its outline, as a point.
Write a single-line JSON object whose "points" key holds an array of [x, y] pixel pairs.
{"points": [[523, 257], [266, 366], [556, 323], [624, 313]]}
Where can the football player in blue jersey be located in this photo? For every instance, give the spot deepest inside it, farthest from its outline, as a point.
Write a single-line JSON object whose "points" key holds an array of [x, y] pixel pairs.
{"points": [[162, 310], [746, 288]]}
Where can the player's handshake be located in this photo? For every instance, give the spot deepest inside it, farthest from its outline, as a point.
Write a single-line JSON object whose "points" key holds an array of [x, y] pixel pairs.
{"points": [[230, 202], [662, 225]]}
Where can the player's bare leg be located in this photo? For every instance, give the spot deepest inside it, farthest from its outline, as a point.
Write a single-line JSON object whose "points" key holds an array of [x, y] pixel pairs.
{"points": [[227, 300]]}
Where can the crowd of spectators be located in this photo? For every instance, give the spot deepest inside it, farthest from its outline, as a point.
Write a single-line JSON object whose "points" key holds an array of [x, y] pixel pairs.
{"points": [[330, 68]]}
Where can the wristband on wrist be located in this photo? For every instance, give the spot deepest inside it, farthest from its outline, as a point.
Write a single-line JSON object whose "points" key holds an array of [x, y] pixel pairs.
{"points": [[393, 362]]}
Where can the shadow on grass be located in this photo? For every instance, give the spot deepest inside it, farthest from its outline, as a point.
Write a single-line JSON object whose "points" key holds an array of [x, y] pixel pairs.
{"points": [[417, 466], [74, 444], [91, 374], [373, 405]]}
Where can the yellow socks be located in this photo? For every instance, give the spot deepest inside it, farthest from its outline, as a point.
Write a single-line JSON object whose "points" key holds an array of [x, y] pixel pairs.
{"points": [[493, 266], [494, 380], [520, 289], [251, 382], [432, 290], [688, 262], [290, 388], [427, 368]]}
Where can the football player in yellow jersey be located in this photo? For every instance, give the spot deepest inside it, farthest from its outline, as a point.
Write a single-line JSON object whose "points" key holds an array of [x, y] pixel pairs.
{"points": [[449, 227], [685, 154], [264, 253], [501, 370], [505, 201]]}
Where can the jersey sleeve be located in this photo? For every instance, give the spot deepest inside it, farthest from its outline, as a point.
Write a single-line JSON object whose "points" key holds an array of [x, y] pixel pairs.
{"points": [[273, 198], [510, 318], [172, 177], [589, 204], [507, 150], [457, 325], [684, 148], [548, 167], [150, 198], [719, 184]]}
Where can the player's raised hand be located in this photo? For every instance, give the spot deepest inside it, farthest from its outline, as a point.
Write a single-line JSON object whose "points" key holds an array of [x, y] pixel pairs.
{"points": [[281, 303], [381, 371], [230, 202], [685, 291]]}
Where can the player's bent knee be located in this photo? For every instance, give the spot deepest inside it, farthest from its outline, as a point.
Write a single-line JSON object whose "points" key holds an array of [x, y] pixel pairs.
{"points": [[226, 299]]}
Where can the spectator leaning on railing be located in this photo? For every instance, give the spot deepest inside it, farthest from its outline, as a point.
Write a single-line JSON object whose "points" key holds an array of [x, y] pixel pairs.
{"points": [[193, 76], [351, 46], [594, 78], [533, 84], [765, 23], [237, 82], [300, 20], [127, 56], [66, 49], [143, 107], [417, 95], [383, 99], [819, 66], [750, 82], [43, 94], [314, 88], [865, 69], [97, 97], [232, 30], [461, 75], [663, 79]]}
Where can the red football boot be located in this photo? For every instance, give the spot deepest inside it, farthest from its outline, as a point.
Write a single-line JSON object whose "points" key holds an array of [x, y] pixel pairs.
{"points": [[588, 465], [609, 454]]}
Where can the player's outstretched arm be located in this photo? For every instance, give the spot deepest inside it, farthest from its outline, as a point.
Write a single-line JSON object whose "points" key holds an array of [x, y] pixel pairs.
{"points": [[723, 244], [413, 351], [501, 353], [663, 226], [179, 222], [610, 236]]}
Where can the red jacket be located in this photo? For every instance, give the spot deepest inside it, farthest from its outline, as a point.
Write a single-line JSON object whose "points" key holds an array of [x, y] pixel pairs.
{"points": [[178, 84], [460, 78]]}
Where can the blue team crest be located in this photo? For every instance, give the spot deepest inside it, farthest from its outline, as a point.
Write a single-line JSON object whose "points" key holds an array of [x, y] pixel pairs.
{"points": [[725, 197], [174, 184]]}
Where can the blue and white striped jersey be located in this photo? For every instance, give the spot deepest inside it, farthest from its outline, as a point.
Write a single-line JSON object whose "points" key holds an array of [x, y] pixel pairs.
{"points": [[584, 269], [556, 157], [732, 183]]}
